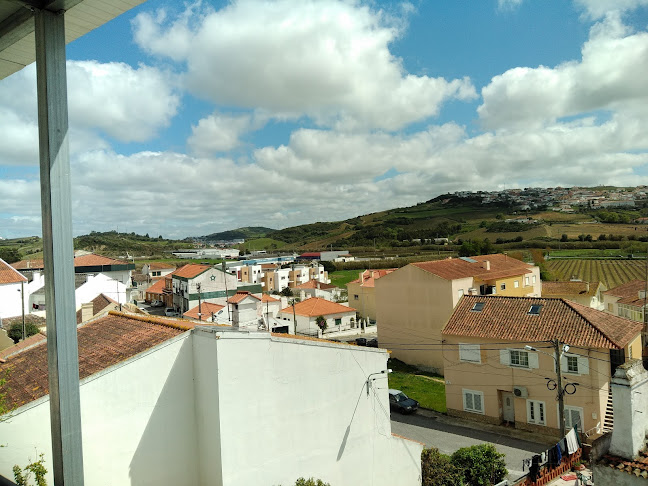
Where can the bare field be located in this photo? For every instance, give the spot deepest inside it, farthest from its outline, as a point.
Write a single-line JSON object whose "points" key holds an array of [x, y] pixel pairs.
{"points": [[595, 229]]}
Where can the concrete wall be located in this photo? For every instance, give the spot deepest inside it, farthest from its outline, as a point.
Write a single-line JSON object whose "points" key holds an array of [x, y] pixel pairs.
{"points": [[316, 422], [10, 300], [101, 284], [137, 420], [607, 475]]}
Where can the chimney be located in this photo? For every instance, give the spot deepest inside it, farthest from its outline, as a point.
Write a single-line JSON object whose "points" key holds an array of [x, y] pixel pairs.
{"points": [[630, 401], [642, 294], [587, 287], [486, 265], [87, 311]]}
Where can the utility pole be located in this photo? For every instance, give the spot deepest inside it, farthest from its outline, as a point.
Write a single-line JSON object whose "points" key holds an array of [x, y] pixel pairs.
{"points": [[229, 319], [294, 316], [22, 298], [561, 394], [199, 303]]}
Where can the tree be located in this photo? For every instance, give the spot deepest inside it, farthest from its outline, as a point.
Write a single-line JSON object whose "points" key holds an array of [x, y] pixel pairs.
{"points": [[321, 322], [564, 238], [10, 255], [16, 331], [287, 292], [328, 266], [481, 465], [37, 468], [438, 470]]}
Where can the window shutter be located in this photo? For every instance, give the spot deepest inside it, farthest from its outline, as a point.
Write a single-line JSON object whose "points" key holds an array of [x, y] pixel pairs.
{"points": [[505, 357], [583, 365], [533, 361]]}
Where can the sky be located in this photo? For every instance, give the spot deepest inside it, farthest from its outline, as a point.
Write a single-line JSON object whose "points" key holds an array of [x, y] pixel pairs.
{"points": [[188, 118]]}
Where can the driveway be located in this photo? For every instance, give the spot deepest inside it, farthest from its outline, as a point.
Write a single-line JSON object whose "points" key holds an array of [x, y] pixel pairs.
{"points": [[448, 435]]}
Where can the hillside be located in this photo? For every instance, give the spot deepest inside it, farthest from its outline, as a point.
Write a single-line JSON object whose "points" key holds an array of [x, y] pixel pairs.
{"points": [[246, 233]]}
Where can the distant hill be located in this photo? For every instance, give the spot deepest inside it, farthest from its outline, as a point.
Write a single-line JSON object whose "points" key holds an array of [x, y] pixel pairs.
{"points": [[246, 233]]}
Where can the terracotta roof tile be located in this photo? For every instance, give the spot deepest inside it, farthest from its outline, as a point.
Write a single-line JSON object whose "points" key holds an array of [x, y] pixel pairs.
{"points": [[206, 309], [368, 277], [16, 348], [508, 318], [161, 266], [156, 288], [99, 303], [267, 298], [637, 467], [562, 289], [628, 293], [241, 295], [102, 343], [315, 284], [191, 270], [9, 275], [501, 266], [90, 260], [315, 306]]}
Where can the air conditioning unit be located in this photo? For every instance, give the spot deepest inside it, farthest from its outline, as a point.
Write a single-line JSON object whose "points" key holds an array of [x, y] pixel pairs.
{"points": [[520, 392]]}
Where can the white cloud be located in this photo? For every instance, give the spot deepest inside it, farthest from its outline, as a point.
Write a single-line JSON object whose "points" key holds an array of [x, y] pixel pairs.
{"points": [[596, 9], [610, 76], [218, 133], [326, 59], [508, 4]]}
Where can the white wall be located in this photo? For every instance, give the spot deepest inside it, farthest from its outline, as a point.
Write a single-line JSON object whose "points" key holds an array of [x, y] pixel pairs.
{"points": [[100, 284], [137, 418], [10, 300]]}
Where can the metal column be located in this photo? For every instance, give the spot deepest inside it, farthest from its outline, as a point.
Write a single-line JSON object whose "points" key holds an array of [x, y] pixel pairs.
{"points": [[58, 250]]}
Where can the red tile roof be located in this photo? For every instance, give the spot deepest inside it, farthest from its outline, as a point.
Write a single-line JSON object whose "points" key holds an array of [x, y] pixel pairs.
{"points": [[508, 318], [562, 289], [267, 298], [315, 306], [241, 295], [501, 266], [637, 467], [16, 348], [315, 284], [191, 270], [90, 260], [160, 266], [206, 309], [102, 343], [99, 303], [311, 254], [368, 277], [9, 275], [156, 288], [628, 293]]}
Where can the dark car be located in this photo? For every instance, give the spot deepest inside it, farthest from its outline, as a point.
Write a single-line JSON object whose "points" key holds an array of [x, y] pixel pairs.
{"points": [[400, 402]]}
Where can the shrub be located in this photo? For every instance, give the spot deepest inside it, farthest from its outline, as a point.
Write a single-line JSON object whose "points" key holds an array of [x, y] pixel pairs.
{"points": [[437, 469], [16, 331], [310, 482], [481, 465]]}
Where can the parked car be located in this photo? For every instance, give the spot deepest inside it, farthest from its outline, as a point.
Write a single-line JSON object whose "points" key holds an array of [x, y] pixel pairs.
{"points": [[400, 402], [171, 312], [157, 303]]}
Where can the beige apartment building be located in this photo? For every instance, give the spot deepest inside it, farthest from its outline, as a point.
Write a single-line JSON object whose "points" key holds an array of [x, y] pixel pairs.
{"points": [[627, 300], [362, 292], [491, 376], [414, 302]]}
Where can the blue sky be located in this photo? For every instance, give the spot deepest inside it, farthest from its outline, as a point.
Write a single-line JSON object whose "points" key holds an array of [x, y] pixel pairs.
{"points": [[190, 118]]}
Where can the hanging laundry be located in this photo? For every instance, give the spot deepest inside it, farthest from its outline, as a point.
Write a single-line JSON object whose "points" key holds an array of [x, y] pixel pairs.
{"points": [[553, 460], [534, 470], [558, 453], [572, 441], [526, 463]]}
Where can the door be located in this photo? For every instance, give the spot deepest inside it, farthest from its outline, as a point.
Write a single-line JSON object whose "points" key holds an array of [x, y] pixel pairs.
{"points": [[508, 407]]}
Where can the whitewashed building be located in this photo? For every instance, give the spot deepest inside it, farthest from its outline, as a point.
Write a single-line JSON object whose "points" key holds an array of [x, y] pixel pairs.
{"points": [[12, 284], [305, 313], [213, 406]]}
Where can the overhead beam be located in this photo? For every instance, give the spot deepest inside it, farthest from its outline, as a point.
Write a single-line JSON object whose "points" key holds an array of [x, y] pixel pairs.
{"points": [[58, 252]]}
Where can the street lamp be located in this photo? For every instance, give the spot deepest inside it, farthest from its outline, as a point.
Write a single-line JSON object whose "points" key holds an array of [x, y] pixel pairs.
{"points": [[383, 372], [553, 385]]}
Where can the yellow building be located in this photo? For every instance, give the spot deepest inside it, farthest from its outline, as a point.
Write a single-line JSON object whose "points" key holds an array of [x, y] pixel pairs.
{"points": [[362, 292], [498, 356], [413, 303]]}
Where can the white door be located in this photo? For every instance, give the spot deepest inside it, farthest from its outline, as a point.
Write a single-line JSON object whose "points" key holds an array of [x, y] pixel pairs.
{"points": [[508, 407]]}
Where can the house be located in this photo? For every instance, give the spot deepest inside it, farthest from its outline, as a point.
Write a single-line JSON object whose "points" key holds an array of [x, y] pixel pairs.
{"points": [[209, 391], [86, 264], [205, 282], [362, 292], [493, 377], [157, 270], [315, 288], [101, 284], [245, 309], [156, 292], [589, 294], [305, 313], [12, 298], [99, 305], [206, 311], [627, 300], [414, 302]]}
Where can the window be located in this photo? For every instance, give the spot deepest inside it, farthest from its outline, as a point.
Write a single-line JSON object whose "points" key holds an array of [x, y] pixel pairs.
{"points": [[473, 401], [573, 416], [338, 321], [610, 307], [469, 352], [477, 307], [503, 286], [355, 297], [572, 364], [533, 279], [534, 310], [516, 284], [519, 358], [526, 281], [535, 412]]}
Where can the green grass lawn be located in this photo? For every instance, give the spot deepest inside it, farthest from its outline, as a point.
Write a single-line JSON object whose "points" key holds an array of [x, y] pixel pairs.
{"points": [[426, 388], [340, 278]]}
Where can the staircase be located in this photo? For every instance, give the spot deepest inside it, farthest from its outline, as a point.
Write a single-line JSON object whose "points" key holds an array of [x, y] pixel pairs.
{"points": [[608, 420]]}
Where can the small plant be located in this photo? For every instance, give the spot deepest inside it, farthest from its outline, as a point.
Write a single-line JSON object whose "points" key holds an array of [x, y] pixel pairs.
{"points": [[37, 468], [321, 322], [310, 482]]}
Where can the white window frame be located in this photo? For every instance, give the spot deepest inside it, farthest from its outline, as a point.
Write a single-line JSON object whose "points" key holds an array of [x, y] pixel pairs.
{"points": [[536, 412], [470, 353], [472, 393], [520, 354], [568, 414], [532, 358], [570, 364], [516, 284], [533, 279], [526, 281]]}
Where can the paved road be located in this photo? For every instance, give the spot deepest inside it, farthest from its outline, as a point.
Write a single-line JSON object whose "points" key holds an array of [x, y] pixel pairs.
{"points": [[448, 437]]}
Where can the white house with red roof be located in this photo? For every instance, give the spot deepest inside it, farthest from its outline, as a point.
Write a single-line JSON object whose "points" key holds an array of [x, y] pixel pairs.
{"points": [[157, 270], [305, 313], [315, 288], [245, 309], [12, 283]]}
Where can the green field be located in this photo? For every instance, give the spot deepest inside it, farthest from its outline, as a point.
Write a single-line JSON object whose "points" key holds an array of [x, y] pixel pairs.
{"points": [[261, 244], [427, 389], [611, 272], [340, 278]]}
